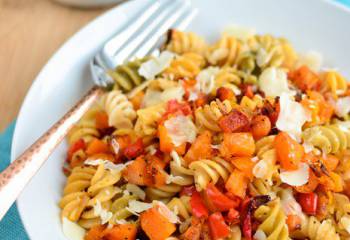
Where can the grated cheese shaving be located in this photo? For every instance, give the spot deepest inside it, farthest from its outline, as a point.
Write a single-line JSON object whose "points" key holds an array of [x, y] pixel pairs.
{"points": [[297, 177], [107, 164], [206, 79], [155, 66], [260, 169], [137, 207], [181, 129], [292, 116], [102, 213], [273, 82]]}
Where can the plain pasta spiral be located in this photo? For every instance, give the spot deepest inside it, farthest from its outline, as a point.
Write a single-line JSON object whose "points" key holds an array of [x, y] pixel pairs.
{"points": [[206, 171]]}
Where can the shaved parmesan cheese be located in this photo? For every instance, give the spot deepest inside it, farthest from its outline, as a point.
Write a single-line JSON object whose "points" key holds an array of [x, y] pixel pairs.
{"points": [[259, 235], [102, 213], [115, 146], [292, 116], [120, 221], [260, 169], [273, 82], [156, 65], [241, 33], [311, 59], [72, 230], [342, 107], [181, 129], [137, 207], [166, 212], [206, 79], [289, 205], [297, 177], [153, 97], [136, 190], [107, 164], [255, 159]]}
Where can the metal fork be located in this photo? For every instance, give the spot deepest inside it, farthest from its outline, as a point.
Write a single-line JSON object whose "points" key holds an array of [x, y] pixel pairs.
{"points": [[137, 39]]}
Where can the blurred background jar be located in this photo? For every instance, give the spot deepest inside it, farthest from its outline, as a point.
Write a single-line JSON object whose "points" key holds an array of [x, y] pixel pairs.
{"points": [[89, 3]]}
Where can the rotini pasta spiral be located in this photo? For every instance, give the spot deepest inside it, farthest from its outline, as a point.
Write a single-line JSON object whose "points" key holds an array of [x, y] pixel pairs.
{"points": [[183, 42], [179, 176], [316, 230], [270, 51], [273, 221], [259, 187], [252, 103], [329, 139], [188, 65], [101, 191], [208, 115], [147, 119], [75, 199], [224, 52], [181, 206], [118, 207], [335, 83], [264, 145], [86, 127], [121, 113], [126, 76], [206, 171], [230, 75]]}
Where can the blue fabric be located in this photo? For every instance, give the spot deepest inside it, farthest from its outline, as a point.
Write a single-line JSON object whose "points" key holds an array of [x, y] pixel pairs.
{"points": [[11, 227]]}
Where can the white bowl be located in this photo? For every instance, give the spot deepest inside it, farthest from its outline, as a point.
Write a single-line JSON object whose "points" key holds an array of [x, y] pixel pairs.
{"points": [[313, 24]]}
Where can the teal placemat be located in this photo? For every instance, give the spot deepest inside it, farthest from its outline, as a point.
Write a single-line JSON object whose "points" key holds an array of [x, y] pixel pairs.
{"points": [[11, 227]]}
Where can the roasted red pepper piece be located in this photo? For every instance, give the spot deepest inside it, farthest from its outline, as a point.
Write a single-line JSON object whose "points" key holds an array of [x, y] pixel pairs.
{"points": [[308, 202], [247, 208], [134, 150], [219, 200], [218, 227], [235, 121], [199, 210], [79, 144], [232, 216]]}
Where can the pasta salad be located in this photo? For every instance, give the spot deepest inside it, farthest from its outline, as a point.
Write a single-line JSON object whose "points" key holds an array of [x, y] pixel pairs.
{"points": [[240, 139]]}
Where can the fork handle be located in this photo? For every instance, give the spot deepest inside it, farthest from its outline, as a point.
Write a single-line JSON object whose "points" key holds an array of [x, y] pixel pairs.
{"points": [[15, 177]]}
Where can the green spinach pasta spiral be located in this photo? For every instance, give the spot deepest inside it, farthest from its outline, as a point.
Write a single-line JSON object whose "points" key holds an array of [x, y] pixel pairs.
{"points": [[206, 171], [273, 221], [126, 76], [329, 138]]}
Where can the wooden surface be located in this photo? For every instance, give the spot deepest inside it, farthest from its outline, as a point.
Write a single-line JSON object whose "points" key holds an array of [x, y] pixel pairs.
{"points": [[30, 32]]}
